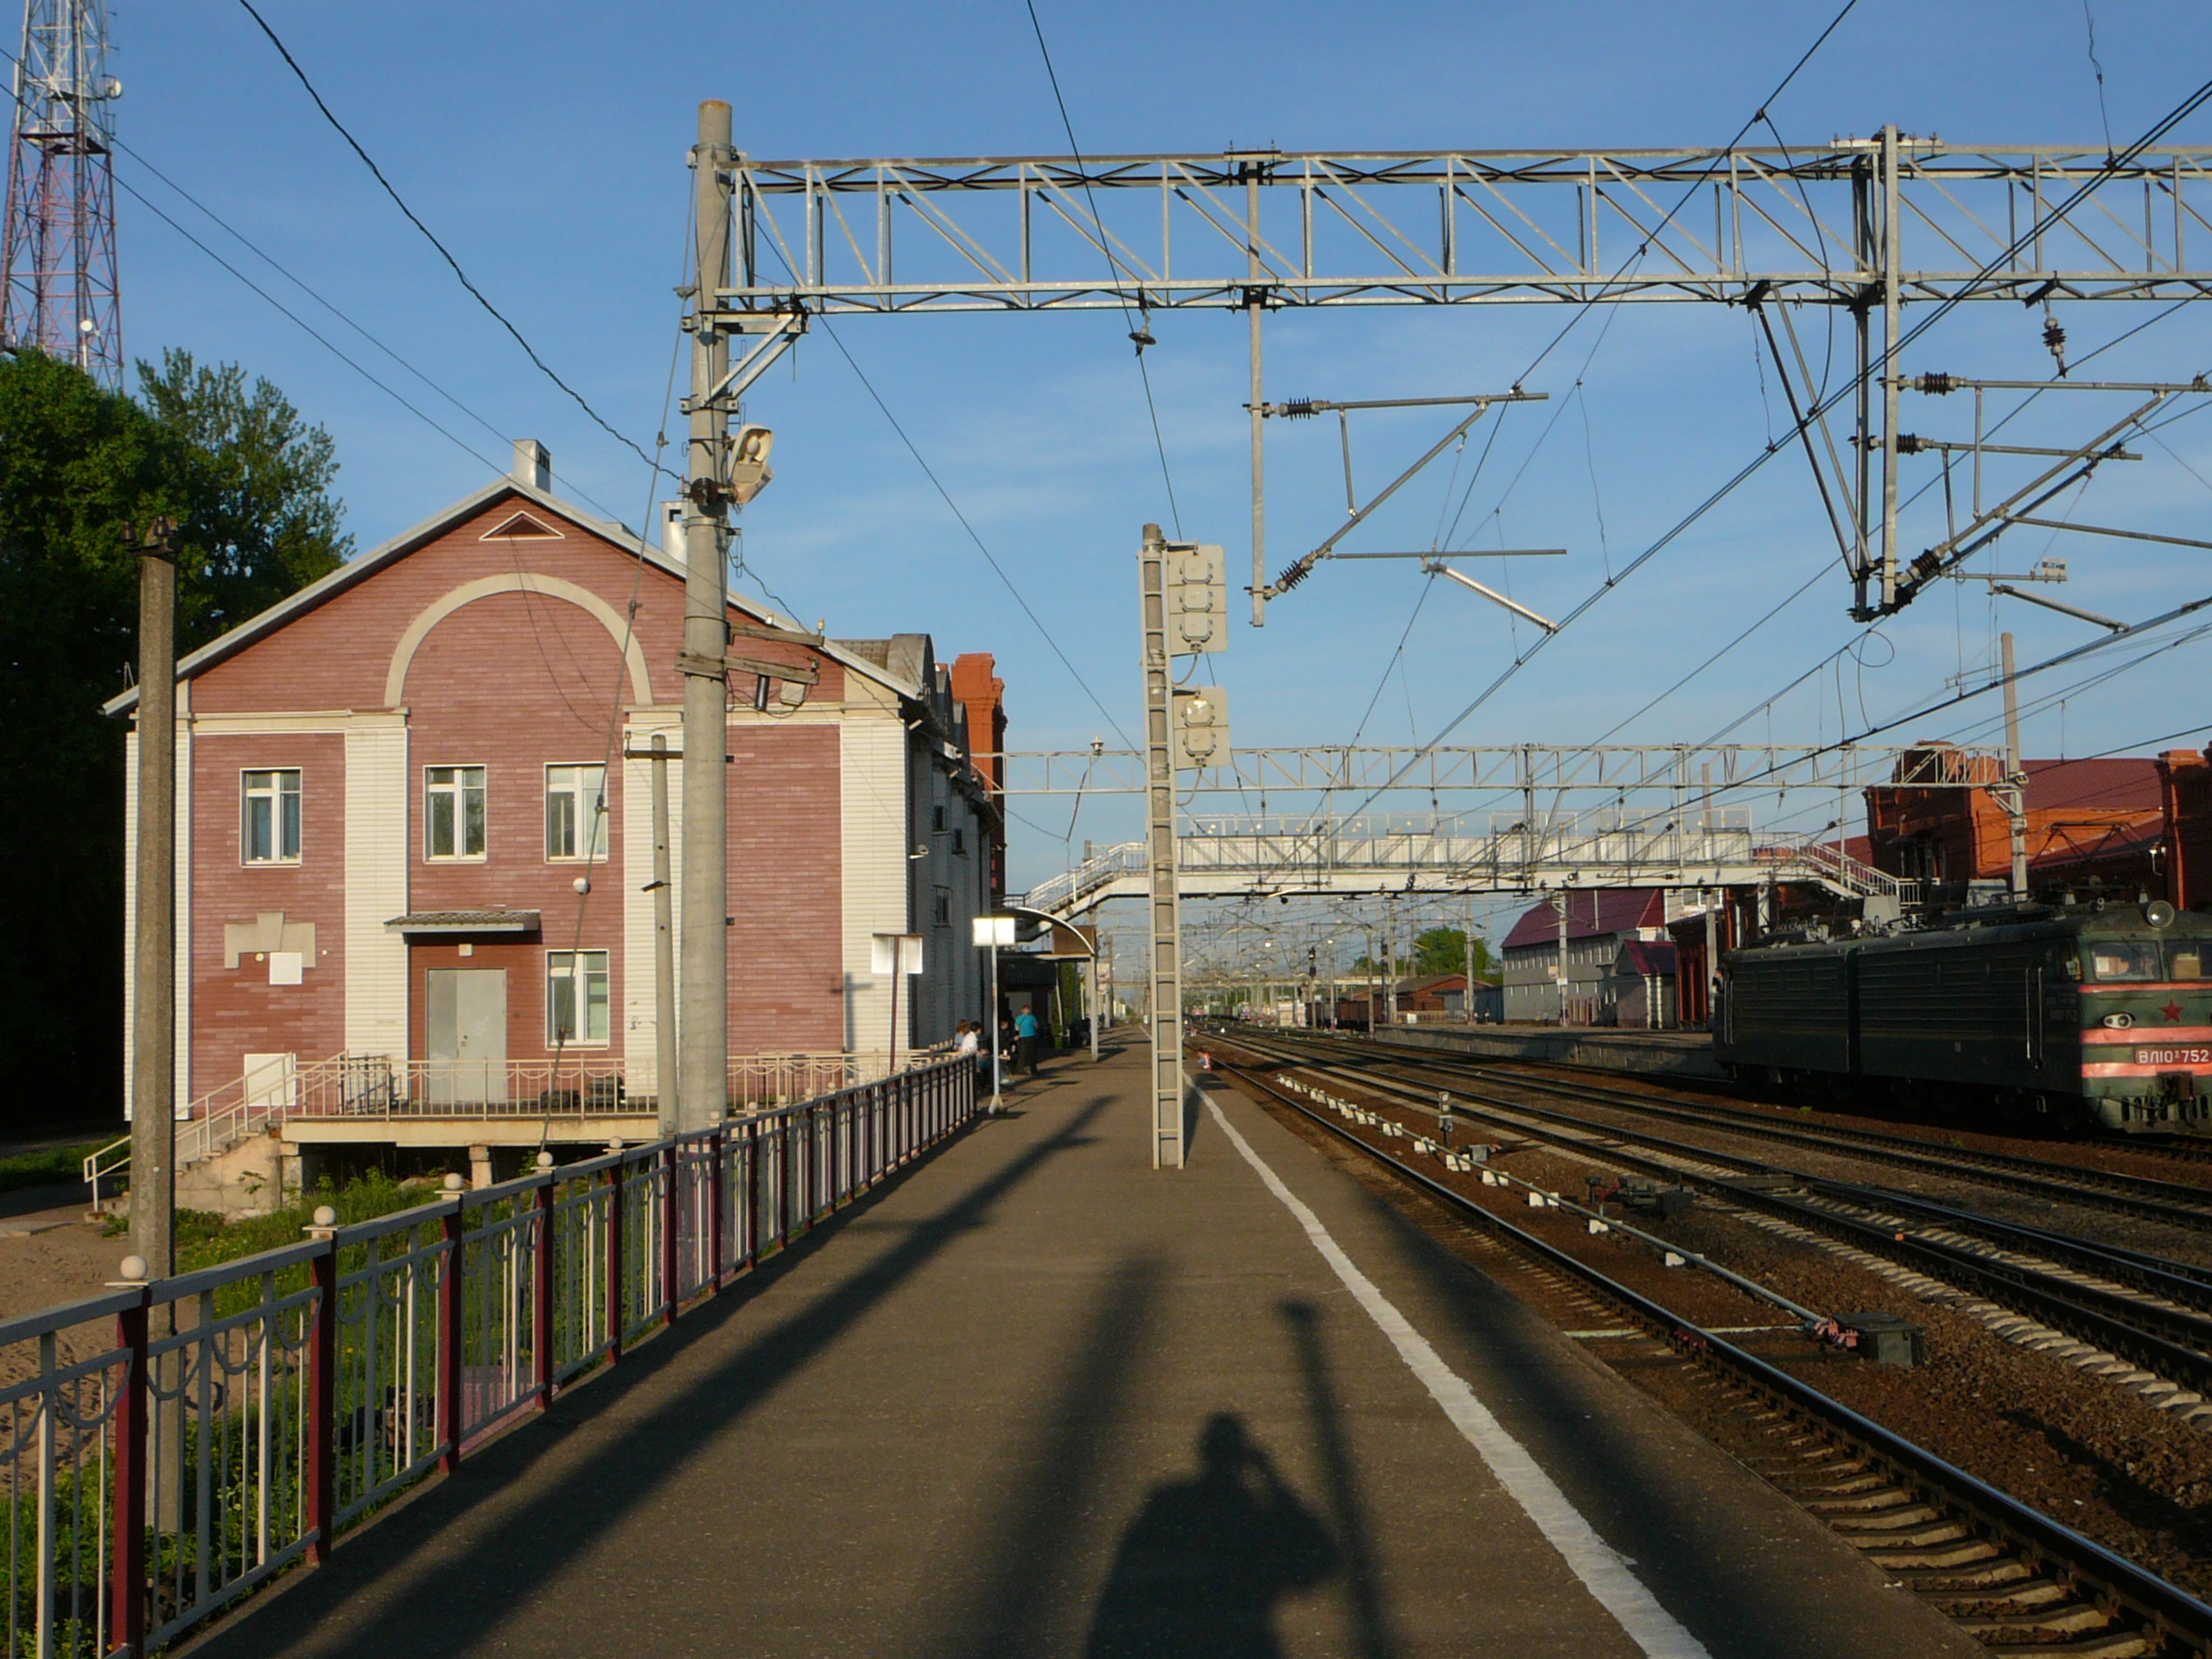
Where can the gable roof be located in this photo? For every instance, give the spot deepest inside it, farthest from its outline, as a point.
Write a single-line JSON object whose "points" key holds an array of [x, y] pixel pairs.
{"points": [[1590, 913], [1644, 957], [2108, 784], [356, 571]]}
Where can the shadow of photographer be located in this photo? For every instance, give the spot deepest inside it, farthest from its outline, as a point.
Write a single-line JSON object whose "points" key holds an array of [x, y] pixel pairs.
{"points": [[1200, 1571]]}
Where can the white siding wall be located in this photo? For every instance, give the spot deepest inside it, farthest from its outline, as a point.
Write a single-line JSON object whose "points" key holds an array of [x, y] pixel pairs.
{"points": [[377, 864], [873, 812], [640, 1017]]}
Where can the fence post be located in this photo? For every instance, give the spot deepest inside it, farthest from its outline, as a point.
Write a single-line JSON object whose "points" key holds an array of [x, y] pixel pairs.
{"points": [[750, 1142], [786, 1175], [450, 1415], [127, 1569], [717, 1192], [322, 1405], [542, 1295], [671, 1211], [615, 1262]]}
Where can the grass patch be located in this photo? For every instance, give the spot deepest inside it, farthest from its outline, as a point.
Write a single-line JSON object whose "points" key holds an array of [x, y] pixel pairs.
{"points": [[50, 1167], [204, 1239]]}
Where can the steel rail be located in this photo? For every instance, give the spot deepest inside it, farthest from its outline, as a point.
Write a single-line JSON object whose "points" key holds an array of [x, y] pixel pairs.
{"points": [[2175, 1344], [1994, 1515], [2136, 1195]]}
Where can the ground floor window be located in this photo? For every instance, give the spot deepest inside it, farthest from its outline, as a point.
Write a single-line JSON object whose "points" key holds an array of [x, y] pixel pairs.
{"points": [[576, 997]]}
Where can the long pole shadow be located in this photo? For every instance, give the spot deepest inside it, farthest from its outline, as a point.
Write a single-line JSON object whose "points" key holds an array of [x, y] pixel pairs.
{"points": [[1371, 1619], [1037, 1527], [441, 1608]]}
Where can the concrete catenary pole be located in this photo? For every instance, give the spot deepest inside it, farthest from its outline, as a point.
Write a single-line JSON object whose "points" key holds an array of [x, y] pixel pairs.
{"points": [[666, 1063], [703, 1081], [153, 1007]]}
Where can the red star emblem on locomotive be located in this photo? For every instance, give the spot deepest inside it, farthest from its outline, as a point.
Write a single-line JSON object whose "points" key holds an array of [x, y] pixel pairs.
{"points": [[2172, 1010]]}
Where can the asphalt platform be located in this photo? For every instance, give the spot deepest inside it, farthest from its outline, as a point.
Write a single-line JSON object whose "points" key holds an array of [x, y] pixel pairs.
{"points": [[1032, 1397]]}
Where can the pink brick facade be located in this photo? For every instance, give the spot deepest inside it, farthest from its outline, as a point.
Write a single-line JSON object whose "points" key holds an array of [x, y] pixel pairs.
{"points": [[466, 644]]}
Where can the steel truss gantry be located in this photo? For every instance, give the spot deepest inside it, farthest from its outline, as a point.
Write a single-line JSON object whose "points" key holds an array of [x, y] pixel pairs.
{"points": [[1604, 769], [1446, 227], [1870, 225]]}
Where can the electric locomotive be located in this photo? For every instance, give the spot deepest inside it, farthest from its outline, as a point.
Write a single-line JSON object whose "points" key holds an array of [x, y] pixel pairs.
{"points": [[2101, 1013]]}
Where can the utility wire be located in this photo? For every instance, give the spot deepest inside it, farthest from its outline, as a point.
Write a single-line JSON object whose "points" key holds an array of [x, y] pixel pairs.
{"points": [[2172, 118], [997, 569], [476, 293], [1112, 265]]}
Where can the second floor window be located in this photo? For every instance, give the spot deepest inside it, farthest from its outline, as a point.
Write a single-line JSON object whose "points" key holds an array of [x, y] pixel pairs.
{"points": [[453, 811], [575, 812], [269, 818]]}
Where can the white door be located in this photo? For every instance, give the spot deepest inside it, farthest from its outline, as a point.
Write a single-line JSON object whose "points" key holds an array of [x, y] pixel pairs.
{"points": [[465, 1023]]}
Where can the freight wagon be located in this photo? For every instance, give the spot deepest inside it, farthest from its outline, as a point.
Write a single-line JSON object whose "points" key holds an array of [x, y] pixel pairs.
{"points": [[2105, 1014]]}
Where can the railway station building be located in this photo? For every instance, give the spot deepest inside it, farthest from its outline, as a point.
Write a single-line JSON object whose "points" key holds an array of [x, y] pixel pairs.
{"points": [[1559, 962], [415, 837]]}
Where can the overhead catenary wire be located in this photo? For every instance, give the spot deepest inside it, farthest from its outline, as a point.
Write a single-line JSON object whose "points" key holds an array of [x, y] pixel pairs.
{"points": [[1112, 265], [474, 292], [989, 558], [2166, 123]]}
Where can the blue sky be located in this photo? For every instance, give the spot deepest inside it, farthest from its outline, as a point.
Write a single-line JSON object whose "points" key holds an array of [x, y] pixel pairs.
{"points": [[546, 145]]}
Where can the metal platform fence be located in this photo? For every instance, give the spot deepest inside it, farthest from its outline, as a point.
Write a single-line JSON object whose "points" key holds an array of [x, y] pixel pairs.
{"points": [[165, 1447]]}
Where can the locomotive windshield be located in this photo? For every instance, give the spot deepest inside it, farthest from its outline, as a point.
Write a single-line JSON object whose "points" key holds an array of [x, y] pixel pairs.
{"points": [[2122, 960], [2118, 959]]}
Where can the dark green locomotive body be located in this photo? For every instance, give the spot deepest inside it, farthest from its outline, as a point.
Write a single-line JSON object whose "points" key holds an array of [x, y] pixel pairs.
{"points": [[2108, 1013]]}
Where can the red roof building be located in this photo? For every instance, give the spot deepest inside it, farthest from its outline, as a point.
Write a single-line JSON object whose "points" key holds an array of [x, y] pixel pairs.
{"points": [[1539, 985]]}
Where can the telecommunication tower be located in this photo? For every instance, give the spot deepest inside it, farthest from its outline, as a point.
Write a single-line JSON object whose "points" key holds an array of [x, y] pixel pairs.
{"points": [[59, 290]]}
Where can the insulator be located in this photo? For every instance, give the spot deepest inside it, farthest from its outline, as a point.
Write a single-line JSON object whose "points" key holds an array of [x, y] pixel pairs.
{"points": [[2054, 338], [1299, 409], [1936, 383], [1910, 443], [1292, 575]]}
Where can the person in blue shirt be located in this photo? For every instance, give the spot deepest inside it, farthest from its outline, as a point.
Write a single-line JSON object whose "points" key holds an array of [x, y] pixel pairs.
{"points": [[1025, 1041]]}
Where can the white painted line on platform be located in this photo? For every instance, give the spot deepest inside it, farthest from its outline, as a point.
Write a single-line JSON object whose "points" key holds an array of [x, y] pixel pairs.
{"points": [[1603, 1574]]}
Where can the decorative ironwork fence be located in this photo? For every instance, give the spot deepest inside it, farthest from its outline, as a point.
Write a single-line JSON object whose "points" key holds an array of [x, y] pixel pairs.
{"points": [[168, 1447]]}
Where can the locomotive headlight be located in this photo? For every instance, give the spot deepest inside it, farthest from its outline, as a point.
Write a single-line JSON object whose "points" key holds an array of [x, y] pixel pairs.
{"points": [[2118, 1021]]}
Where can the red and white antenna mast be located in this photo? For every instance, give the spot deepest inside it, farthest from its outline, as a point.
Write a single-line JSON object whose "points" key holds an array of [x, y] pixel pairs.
{"points": [[59, 290]]}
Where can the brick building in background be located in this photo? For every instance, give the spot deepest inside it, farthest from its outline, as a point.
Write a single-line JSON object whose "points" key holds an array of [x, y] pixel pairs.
{"points": [[388, 800], [2093, 824]]}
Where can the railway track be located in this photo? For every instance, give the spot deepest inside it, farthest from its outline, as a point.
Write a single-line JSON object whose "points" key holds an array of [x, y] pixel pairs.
{"points": [[2135, 1311], [2001, 1570], [2177, 1202]]}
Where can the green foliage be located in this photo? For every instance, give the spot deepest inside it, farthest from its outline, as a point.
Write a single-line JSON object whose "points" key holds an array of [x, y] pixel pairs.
{"points": [[204, 1240], [250, 485], [1437, 951], [48, 1167]]}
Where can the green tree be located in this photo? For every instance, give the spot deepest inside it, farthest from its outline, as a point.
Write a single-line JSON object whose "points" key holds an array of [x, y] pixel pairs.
{"points": [[1437, 951], [249, 484]]}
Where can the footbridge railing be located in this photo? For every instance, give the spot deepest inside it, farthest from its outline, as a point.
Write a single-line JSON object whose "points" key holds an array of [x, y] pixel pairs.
{"points": [[167, 1447], [1224, 857]]}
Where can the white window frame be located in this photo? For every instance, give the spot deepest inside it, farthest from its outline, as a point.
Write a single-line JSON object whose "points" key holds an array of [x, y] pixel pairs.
{"points": [[274, 794], [597, 810], [458, 791], [560, 968]]}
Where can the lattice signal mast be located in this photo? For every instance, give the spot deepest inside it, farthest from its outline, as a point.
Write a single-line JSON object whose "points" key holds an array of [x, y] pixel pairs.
{"points": [[61, 293]]}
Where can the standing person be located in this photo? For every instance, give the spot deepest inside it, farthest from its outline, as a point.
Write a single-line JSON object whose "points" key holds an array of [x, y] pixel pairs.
{"points": [[1025, 1041]]}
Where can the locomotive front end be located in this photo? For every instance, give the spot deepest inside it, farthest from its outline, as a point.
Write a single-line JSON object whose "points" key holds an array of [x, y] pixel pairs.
{"points": [[2146, 1020]]}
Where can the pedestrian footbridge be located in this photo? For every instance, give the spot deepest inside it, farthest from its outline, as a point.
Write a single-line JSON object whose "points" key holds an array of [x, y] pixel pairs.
{"points": [[1236, 857]]}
